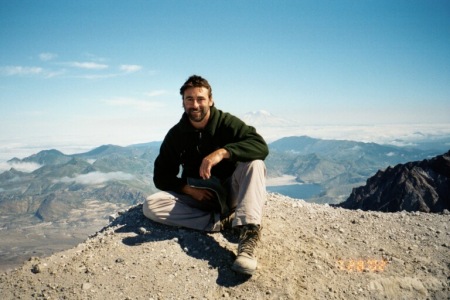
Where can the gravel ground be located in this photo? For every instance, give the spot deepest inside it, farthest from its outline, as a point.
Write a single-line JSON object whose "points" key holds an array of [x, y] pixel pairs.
{"points": [[307, 251]]}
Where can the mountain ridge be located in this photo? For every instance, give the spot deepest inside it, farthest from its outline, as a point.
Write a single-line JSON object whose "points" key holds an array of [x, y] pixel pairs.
{"points": [[413, 186]]}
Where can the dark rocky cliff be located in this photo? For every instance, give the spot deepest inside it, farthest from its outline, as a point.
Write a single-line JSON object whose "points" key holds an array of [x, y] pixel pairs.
{"points": [[415, 186]]}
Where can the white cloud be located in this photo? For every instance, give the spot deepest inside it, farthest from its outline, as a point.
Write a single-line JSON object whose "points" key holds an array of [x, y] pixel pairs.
{"points": [[156, 93], [94, 57], [51, 74], [19, 166], [88, 65], [97, 76], [130, 68], [96, 178], [140, 105], [46, 56], [30, 71], [19, 70], [124, 69]]}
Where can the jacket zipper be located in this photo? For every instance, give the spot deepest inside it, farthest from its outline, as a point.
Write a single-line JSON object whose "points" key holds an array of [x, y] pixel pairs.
{"points": [[199, 142]]}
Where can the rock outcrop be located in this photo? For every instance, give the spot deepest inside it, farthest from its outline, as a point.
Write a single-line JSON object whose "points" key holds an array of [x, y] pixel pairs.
{"points": [[415, 186]]}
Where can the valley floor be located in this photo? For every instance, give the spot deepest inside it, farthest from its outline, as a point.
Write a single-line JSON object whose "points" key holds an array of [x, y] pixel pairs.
{"points": [[24, 236]]}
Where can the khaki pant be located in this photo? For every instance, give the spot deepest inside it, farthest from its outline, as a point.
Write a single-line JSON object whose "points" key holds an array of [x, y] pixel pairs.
{"points": [[248, 195]]}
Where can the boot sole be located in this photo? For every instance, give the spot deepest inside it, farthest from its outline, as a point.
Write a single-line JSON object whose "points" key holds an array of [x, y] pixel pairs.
{"points": [[242, 270]]}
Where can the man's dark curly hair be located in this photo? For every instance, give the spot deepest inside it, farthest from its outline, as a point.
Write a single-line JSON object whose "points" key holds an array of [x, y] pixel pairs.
{"points": [[196, 81]]}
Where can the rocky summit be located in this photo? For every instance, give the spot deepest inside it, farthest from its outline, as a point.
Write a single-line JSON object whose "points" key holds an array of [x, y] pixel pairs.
{"points": [[414, 186], [307, 251]]}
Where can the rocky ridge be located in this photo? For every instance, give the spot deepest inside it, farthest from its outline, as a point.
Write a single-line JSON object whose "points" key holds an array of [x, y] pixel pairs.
{"points": [[414, 186], [307, 251]]}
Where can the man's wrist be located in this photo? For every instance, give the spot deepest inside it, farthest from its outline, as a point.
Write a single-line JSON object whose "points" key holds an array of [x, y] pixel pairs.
{"points": [[225, 154], [185, 189]]}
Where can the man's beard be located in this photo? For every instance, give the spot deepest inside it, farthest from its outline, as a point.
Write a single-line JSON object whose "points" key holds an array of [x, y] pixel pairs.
{"points": [[197, 115]]}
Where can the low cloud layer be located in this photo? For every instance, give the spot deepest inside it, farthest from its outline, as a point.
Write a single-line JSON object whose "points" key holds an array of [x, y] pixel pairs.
{"points": [[27, 167], [398, 135], [94, 178]]}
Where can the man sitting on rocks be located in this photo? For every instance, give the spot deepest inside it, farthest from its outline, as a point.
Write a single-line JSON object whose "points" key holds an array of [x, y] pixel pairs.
{"points": [[223, 177]]}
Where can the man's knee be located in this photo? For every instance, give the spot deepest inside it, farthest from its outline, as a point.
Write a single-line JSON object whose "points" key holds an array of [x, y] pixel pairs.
{"points": [[254, 166], [259, 164], [156, 205]]}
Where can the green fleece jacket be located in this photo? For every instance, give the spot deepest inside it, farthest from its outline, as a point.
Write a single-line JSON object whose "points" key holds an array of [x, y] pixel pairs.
{"points": [[186, 146]]}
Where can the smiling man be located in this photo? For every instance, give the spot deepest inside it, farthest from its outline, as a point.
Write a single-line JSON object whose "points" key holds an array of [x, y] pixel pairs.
{"points": [[222, 184]]}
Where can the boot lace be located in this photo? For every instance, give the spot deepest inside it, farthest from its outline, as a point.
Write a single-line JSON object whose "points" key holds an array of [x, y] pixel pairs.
{"points": [[248, 240]]}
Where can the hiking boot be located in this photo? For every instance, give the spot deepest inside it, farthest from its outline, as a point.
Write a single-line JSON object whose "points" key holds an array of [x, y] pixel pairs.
{"points": [[227, 222], [246, 262]]}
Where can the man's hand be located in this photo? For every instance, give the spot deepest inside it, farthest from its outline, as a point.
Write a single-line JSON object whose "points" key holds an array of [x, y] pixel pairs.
{"points": [[198, 194], [204, 196], [211, 160]]}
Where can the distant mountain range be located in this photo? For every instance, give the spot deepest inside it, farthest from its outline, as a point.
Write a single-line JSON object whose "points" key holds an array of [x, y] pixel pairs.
{"points": [[108, 173], [118, 174]]}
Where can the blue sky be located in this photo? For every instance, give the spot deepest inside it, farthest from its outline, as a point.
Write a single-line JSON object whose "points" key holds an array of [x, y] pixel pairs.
{"points": [[78, 74]]}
